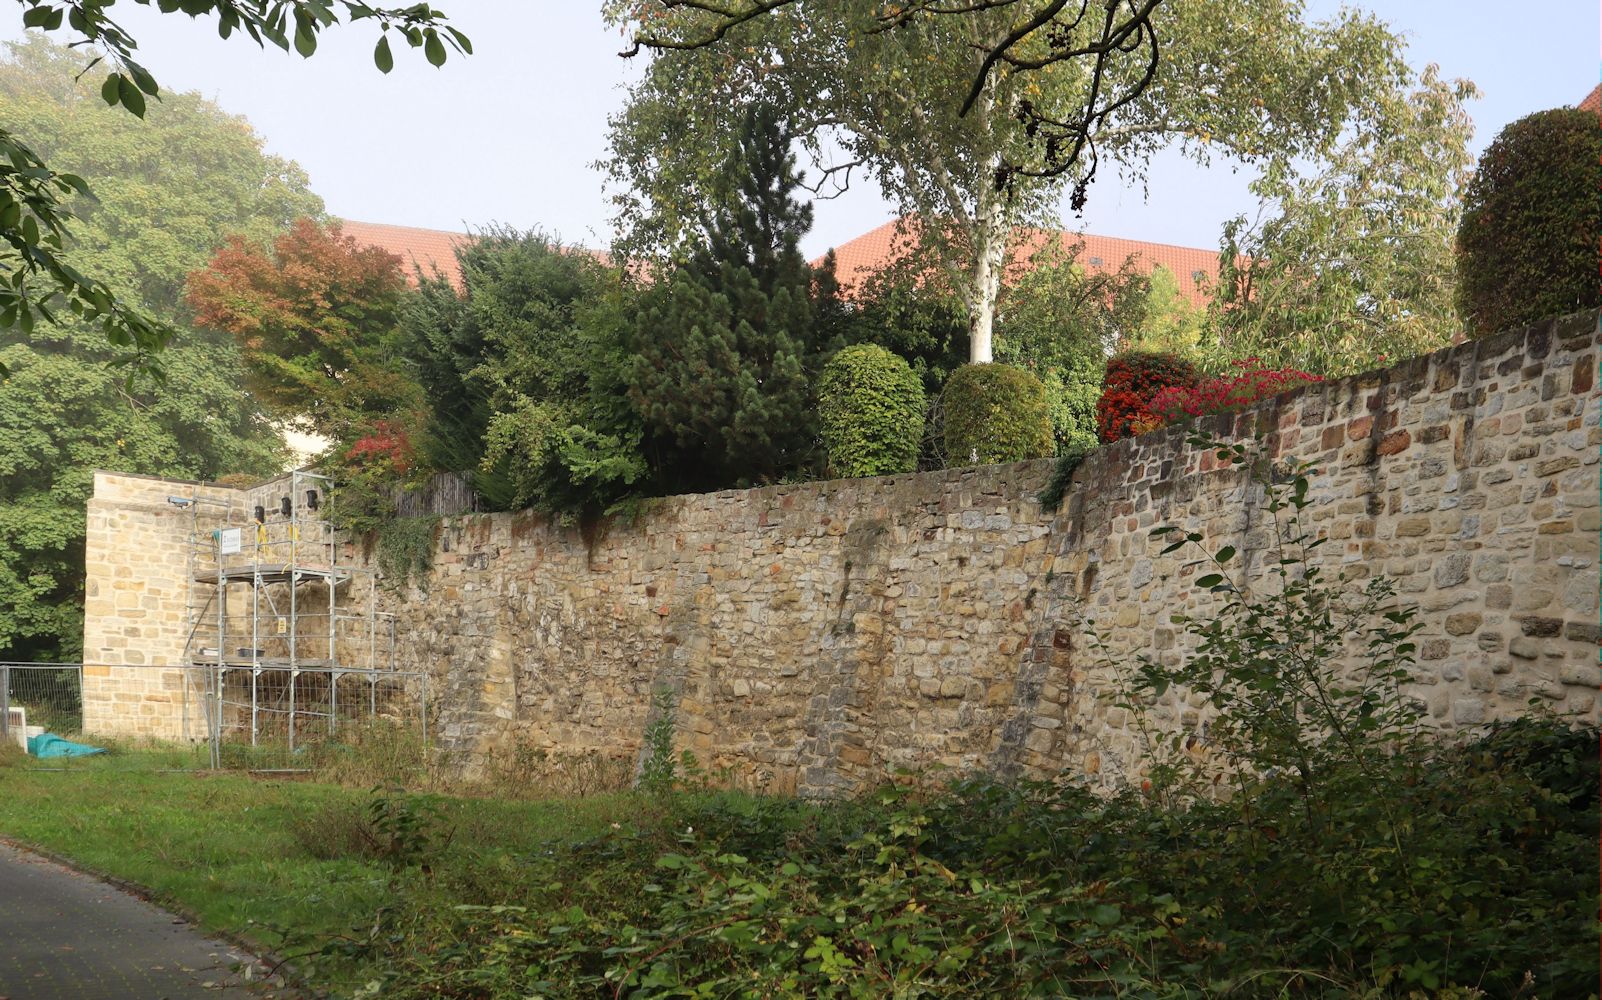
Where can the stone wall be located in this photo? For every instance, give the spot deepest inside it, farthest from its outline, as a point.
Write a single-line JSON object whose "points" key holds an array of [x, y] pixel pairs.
{"points": [[150, 584], [814, 635], [136, 602]]}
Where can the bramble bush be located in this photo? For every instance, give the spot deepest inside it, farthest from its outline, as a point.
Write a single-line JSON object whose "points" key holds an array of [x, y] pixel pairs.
{"points": [[1133, 378], [870, 412], [1251, 381], [995, 413], [1356, 831], [992, 888]]}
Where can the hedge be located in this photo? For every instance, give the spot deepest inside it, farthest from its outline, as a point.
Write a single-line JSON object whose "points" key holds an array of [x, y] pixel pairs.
{"points": [[995, 413], [871, 408], [1530, 240]]}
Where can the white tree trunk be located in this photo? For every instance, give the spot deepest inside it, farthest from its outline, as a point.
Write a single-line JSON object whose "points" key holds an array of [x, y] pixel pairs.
{"points": [[981, 315], [989, 257]]}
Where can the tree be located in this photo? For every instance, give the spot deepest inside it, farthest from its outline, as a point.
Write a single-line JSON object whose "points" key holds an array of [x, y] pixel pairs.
{"points": [[1355, 267], [315, 319], [1527, 247], [724, 350], [1169, 321], [1059, 320], [442, 342], [35, 215], [541, 335], [913, 315], [1255, 81], [1036, 35], [175, 181]]}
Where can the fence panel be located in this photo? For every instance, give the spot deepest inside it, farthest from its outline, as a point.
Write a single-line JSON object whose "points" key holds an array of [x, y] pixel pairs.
{"points": [[40, 696], [250, 718]]}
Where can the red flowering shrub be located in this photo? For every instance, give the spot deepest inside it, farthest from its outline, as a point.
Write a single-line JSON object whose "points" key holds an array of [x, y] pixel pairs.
{"points": [[1249, 383], [387, 446], [1133, 379]]}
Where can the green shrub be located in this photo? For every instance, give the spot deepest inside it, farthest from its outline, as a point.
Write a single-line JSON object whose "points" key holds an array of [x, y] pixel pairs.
{"points": [[659, 767], [870, 407], [995, 413], [1530, 240]]}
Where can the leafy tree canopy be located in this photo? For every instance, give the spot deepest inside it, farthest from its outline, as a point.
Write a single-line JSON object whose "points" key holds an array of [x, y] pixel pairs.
{"points": [[1258, 82], [549, 323], [38, 278], [314, 317], [1353, 266], [186, 174]]}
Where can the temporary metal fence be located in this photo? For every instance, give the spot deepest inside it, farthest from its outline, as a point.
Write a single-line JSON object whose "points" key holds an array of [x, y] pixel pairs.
{"points": [[40, 696], [259, 713], [253, 715]]}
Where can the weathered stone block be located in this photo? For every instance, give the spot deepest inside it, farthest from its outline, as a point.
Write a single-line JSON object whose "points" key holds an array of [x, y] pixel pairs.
{"points": [[1452, 569]]}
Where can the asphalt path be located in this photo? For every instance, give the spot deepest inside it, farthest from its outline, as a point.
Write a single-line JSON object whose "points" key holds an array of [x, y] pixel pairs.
{"points": [[67, 936]]}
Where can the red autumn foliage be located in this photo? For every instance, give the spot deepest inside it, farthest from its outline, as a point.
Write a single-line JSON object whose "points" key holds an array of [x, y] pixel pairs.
{"points": [[311, 315], [387, 445], [1249, 383], [1133, 379]]}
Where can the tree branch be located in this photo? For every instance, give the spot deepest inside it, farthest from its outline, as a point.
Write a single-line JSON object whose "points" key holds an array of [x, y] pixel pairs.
{"points": [[1125, 30]]}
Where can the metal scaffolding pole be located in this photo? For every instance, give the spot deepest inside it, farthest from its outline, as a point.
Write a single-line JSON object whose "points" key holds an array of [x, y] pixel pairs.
{"points": [[255, 651], [294, 662], [280, 558], [222, 653]]}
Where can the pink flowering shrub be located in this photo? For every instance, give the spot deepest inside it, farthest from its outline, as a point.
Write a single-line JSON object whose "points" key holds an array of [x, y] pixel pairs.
{"points": [[1249, 383]]}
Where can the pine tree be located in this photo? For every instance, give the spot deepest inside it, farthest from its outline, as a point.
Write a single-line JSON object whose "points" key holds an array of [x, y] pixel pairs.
{"points": [[724, 351]]}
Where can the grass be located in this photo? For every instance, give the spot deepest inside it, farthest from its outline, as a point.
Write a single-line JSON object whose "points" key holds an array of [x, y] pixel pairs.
{"points": [[258, 858], [427, 895]]}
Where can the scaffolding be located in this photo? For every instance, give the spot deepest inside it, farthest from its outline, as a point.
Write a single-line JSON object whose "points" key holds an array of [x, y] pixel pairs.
{"points": [[284, 641]]}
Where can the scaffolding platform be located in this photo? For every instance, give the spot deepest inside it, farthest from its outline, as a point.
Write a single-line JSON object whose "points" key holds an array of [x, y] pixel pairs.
{"points": [[272, 663], [272, 631], [273, 573]]}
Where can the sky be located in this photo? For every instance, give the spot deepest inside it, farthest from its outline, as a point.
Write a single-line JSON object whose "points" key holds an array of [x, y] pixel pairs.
{"points": [[510, 134]]}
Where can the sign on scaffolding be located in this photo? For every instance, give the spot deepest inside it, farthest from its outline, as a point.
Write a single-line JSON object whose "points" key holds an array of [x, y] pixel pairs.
{"points": [[228, 541]]}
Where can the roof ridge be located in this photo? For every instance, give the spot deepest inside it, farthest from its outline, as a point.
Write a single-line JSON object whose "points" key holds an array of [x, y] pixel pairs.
{"points": [[395, 225], [1192, 267]]}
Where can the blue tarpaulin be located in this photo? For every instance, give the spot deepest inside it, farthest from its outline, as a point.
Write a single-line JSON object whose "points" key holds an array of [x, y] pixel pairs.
{"points": [[51, 745]]}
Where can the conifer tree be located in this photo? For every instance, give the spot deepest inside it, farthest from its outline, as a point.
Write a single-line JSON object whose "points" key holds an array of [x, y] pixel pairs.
{"points": [[723, 350]]}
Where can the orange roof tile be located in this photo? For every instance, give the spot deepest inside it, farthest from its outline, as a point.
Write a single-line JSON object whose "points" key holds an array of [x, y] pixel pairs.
{"points": [[1592, 101], [856, 260], [432, 250]]}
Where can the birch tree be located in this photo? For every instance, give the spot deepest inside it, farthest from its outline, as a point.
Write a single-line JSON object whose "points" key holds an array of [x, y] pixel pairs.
{"points": [[970, 148]]}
